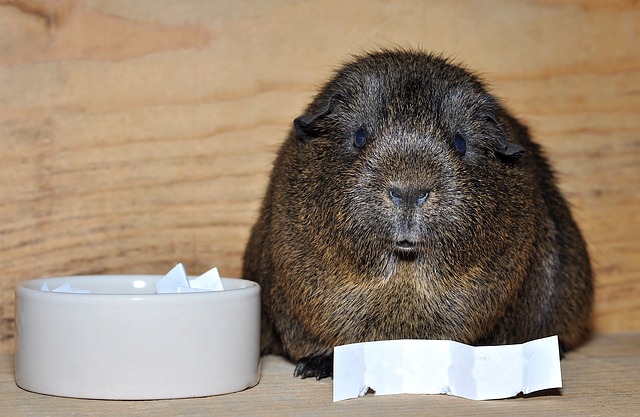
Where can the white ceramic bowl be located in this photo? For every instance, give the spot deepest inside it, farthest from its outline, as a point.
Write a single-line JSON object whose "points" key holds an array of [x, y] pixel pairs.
{"points": [[124, 341]]}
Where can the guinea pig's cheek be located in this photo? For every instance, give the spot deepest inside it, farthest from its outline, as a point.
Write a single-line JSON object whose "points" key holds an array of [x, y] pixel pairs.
{"points": [[381, 217]]}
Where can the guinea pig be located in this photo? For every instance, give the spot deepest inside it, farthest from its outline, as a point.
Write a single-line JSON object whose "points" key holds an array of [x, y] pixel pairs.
{"points": [[408, 203]]}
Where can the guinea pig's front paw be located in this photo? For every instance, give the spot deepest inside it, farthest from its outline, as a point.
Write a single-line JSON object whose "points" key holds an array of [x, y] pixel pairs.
{"points": [[317, 366]]}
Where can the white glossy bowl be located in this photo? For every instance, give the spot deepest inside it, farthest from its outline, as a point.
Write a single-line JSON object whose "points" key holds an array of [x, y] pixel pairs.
{"points": [[123, 341]]}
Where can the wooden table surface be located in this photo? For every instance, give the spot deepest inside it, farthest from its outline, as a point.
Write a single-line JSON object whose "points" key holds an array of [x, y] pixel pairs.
{"points": [[602, 378]]}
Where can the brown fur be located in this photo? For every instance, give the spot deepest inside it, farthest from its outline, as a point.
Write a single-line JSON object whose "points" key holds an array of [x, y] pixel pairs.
{"points": [[409, 236]]}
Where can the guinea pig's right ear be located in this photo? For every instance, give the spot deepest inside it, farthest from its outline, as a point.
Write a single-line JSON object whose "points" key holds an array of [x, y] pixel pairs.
{"points": [[307, 125]]}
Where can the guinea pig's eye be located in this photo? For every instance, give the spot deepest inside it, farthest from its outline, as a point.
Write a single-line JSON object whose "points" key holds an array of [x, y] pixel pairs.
{"points": [[360, 138], [460, 144]]}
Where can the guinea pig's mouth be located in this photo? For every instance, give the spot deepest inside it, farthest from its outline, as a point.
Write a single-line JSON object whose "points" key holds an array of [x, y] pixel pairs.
{"points": [[405, 247]]}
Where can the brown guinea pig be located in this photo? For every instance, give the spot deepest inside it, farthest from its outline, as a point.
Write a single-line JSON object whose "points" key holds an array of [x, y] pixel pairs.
{"points": [[407, 203]]}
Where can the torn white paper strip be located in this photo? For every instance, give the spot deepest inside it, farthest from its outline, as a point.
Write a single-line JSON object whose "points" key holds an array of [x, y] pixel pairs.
{"points": [[445, 367]]}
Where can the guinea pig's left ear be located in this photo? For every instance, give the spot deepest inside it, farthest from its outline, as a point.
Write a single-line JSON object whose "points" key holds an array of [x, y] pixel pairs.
{"points": [[502, 146], [510, 150], [307, 127]]}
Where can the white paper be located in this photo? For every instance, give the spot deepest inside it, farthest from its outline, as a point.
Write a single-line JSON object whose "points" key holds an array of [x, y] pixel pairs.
{"points": [[64, 288], [209, 281], [445, 367], [176, 281]]}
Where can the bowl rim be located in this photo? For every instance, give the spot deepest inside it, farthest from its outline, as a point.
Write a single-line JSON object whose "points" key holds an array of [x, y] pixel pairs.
{"points": [[32, 287]]}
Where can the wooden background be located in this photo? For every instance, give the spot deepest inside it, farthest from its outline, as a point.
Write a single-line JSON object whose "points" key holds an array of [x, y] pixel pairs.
{"points": [[136, 134]]}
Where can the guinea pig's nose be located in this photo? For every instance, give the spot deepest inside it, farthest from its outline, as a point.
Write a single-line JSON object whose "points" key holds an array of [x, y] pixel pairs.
{"points": [[401, 196]]}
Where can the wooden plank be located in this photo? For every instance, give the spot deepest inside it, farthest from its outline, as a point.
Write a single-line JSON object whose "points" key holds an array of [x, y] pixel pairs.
{"points": [[600, 379], [139, 134]]}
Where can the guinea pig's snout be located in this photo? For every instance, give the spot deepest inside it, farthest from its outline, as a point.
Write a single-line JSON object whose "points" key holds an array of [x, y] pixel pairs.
{"points": [[408, 196]]}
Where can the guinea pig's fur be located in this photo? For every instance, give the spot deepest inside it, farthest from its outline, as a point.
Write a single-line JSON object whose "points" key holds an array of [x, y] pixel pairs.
{"points": [[407, 203]]}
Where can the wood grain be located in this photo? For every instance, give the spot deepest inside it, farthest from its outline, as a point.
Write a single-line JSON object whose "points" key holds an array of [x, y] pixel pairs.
{"points": [[600, 379], [138, 134]]}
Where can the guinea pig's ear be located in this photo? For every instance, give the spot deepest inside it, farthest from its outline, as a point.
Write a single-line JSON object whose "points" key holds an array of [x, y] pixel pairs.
{"points": [[511, 150], [306, 126], [505, 150]]}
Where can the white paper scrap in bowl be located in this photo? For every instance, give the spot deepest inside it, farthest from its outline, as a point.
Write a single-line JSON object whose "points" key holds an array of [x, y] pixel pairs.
{"points": [[66, 287], [176, 281]]}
